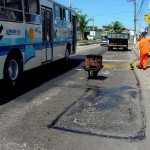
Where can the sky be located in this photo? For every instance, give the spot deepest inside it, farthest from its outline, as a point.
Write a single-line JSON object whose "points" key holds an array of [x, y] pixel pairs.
{"points": [[107, 11]]}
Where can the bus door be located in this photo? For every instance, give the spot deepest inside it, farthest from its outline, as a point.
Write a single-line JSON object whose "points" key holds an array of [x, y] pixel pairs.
{"points": [[74, 35], [47, 34]]}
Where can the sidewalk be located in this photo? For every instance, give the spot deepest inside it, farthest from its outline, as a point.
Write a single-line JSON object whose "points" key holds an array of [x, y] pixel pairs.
{"points": [[144, 74], [143, 83]]}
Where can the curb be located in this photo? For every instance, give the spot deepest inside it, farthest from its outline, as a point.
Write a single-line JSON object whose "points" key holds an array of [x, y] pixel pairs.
{"points": [[83, 44]]}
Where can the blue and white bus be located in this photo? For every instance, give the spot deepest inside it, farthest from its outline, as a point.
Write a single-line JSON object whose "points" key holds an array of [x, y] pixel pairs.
{"points": [[33, 33]]}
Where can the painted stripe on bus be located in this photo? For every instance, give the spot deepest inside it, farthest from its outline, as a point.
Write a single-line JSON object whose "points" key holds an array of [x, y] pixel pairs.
{"points": [[5, 50]]}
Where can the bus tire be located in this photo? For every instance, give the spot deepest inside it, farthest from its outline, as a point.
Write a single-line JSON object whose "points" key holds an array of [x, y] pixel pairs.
{"points": [[66, 55], [12, 70]]}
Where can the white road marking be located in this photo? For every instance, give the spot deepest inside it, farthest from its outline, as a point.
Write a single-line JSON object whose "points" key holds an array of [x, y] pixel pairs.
{"points": [[117, 60]]}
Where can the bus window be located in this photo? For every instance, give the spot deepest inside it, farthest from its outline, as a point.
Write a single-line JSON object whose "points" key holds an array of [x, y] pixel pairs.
{"points": [[64, 18], [67, 18], [56, 12], [67, 15], [32, 6], [3, 14], [43, 24], [48, 25], [16, 4], [1, 2], [32, 11], [26, 8], [58, 15], [70, 16], [64, 14], [61, 17], [6, 13], [61, 14]]}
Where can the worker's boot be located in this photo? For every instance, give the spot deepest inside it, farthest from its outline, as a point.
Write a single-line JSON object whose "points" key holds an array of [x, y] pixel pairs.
{"points": [[139, 67], [145, 62]]}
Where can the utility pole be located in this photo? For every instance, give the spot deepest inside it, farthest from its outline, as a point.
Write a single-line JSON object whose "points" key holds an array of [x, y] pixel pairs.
{"points": [[70, 3], [93, 17], [134, 2], [93, 28]]}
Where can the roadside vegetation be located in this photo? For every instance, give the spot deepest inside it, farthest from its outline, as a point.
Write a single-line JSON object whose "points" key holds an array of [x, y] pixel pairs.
{"points": [[87, 42], [115, 26], [82, 22]]}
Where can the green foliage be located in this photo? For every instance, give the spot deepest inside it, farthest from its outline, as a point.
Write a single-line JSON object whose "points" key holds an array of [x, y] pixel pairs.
{"points": [[82, 21], [114, 26], [91, 28], [87, 42]]}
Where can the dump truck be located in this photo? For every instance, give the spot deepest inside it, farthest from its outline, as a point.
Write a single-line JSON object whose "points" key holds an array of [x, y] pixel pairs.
{"points": [[117, 40]]}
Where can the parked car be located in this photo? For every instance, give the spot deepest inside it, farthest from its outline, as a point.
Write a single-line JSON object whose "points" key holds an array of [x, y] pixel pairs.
{"points": [[104, 42]]}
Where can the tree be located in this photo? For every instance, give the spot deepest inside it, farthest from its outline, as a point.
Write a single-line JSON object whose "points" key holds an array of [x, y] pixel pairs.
{"points": [[115, 26], [91, 28], [82, 21]]}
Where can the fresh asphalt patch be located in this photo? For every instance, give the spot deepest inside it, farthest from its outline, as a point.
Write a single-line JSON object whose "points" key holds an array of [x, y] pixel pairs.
{"points": [[110, 108]]}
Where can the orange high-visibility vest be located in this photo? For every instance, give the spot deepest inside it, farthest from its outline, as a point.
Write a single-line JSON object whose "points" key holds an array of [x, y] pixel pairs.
{"points": [[144, 45]]}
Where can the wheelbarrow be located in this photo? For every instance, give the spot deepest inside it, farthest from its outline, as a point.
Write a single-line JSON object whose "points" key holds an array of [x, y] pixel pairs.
{"points": [[93, 64]]}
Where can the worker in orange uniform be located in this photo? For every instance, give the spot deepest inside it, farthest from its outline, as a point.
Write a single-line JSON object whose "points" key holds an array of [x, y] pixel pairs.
{"points": [[144, 50]]}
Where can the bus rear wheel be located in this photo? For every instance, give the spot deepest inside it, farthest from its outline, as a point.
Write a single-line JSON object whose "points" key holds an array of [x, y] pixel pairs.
{"points": [[66, 55], [12, 70]]}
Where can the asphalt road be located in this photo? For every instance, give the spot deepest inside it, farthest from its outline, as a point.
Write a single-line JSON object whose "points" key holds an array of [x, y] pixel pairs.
{"points": [[55, 107]]}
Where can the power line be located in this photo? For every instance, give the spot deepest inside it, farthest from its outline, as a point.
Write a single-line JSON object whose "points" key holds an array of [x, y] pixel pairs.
{"points": [[113, 13], [140, 14], [134, 2], [140, 8]]}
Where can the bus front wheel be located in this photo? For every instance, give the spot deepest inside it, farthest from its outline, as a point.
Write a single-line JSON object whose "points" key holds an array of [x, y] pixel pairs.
{"points": [[12, 70]]}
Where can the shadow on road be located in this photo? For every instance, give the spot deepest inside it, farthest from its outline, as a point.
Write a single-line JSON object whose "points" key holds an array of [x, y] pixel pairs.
{"points": [[36, 77]]}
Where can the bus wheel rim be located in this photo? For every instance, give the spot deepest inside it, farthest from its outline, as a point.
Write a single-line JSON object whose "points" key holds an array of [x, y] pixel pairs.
{"points": [[67, 54], [13, 70]]}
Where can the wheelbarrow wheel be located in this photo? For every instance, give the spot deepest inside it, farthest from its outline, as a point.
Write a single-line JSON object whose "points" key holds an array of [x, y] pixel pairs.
{"points": [[95, 74]]}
